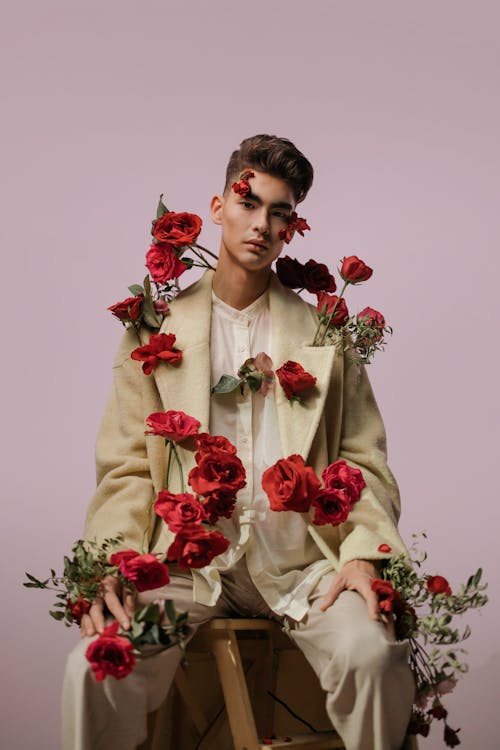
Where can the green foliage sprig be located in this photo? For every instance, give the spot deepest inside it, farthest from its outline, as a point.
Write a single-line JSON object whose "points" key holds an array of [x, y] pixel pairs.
{"points": [[81, 577], [427, 621]]}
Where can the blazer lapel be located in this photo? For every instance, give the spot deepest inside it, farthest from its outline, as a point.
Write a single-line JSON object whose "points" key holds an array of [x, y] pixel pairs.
{"points": [[293, 326], [186, 387]]}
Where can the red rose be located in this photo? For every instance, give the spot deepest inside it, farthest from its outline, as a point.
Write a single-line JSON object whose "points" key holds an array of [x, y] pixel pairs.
{"points": [[376, 321], [355, 270], [290, 272], [179, 511], [172, 425], [290, 484], [160, 349], [327, 302], [145, 571], [418, 725], [129, 309], [217, 471], [111, 654], [161, 306], [451, 736], [330, 506], [384, 548], [207, 443], [294, 379], [123, 556], [177, 229], [218, 505], [294, 223], [317, 278], [163, 264], [196, 547], [78, 608], [438, 711], [438, 585], [341, 476], [406, 622], [372, 317], [389, 600], [242, 187]]}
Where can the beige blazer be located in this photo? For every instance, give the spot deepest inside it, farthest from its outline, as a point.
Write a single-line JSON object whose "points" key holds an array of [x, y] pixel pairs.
{"points": [[340, 419]]}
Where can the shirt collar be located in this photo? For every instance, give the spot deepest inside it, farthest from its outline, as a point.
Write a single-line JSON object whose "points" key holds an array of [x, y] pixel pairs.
{"points": [[247, 315]]}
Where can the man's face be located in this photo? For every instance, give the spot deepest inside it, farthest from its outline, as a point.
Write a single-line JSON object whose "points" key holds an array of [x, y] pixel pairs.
{"points": [[251, 223]]}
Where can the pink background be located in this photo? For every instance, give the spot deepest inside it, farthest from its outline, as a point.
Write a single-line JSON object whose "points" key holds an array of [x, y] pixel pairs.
{"points": [[108, 104]]}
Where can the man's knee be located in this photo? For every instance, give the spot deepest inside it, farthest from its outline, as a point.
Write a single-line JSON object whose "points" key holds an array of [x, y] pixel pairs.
{"points": [[363, 655]]}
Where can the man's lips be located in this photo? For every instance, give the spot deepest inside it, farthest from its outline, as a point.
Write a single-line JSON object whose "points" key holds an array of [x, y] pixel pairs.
{"points": [[257, 244]]}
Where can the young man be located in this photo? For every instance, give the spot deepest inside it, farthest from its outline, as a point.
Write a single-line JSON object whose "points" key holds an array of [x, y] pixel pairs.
{"points": [[273, 567]]}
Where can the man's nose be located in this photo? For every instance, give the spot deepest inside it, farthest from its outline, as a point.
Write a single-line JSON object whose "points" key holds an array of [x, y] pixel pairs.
{"points": [[262, 221]]}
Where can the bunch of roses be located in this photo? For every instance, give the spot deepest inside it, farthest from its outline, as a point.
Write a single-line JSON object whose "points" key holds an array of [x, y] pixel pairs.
{"points": [[406, 625], [216, 479], [366, 328], [291, 485], [422, 607], [173, 234]]}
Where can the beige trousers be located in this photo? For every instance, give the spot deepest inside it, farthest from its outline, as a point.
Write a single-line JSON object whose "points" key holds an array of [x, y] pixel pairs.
{"points": [[365, 674]]}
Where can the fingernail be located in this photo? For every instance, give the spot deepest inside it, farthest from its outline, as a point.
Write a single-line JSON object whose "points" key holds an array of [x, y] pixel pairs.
{"points": [[125, 624]]}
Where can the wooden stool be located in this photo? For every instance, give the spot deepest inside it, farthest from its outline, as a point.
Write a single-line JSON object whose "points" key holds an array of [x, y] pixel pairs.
{"points": [[259, 642]]}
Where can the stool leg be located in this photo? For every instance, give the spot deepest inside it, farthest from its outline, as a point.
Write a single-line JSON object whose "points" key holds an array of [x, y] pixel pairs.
{"points": [[239, 709]]}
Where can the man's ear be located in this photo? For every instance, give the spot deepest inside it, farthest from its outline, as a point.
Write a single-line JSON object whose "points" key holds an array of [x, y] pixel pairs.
{"points": [[216, 206]]}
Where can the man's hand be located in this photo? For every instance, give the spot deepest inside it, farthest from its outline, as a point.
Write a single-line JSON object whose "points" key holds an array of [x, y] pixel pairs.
{"points": [[120, 602], [357, 575]]}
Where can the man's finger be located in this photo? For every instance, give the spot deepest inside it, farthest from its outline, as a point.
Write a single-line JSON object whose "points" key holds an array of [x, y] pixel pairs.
{"points": [[97, 615], [114, 605], [129, 603], [335, 589], [388, 621], [370, 597], [87, 627]]}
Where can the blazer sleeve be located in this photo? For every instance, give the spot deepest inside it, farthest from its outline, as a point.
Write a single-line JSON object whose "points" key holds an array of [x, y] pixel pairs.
{"points": [[125, 489], [373, 519]]}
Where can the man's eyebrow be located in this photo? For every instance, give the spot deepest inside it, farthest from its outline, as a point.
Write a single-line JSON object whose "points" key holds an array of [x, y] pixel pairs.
{"points": [[277, 204]]}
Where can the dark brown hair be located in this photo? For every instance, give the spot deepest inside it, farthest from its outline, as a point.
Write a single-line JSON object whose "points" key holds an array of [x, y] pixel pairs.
{"points": [[276, 156]]}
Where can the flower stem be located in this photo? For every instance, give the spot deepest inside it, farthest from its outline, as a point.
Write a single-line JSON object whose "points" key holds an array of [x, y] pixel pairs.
{"points": [[206, 264], [143, 541], [204, 249], [169, 461], [329, 317], [181, 475]]}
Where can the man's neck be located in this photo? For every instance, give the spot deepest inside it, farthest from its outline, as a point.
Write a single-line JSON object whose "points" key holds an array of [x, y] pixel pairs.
{"points": [[238, 287]]}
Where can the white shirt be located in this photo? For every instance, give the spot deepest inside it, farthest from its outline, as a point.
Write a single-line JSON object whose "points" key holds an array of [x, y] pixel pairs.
{"points": [[270, 539]]}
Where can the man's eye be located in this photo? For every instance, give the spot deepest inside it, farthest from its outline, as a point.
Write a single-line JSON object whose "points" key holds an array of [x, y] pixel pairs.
{"points": [[247, 204]]}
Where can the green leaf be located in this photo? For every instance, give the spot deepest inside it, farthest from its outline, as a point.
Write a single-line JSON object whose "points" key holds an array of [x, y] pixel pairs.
{"points": [[254, 380], [149, 314], [149, 613], [170, 610], [31, 578], [188, 262], [162, 209], [136, 290], [227, 384], [56, 615]]}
